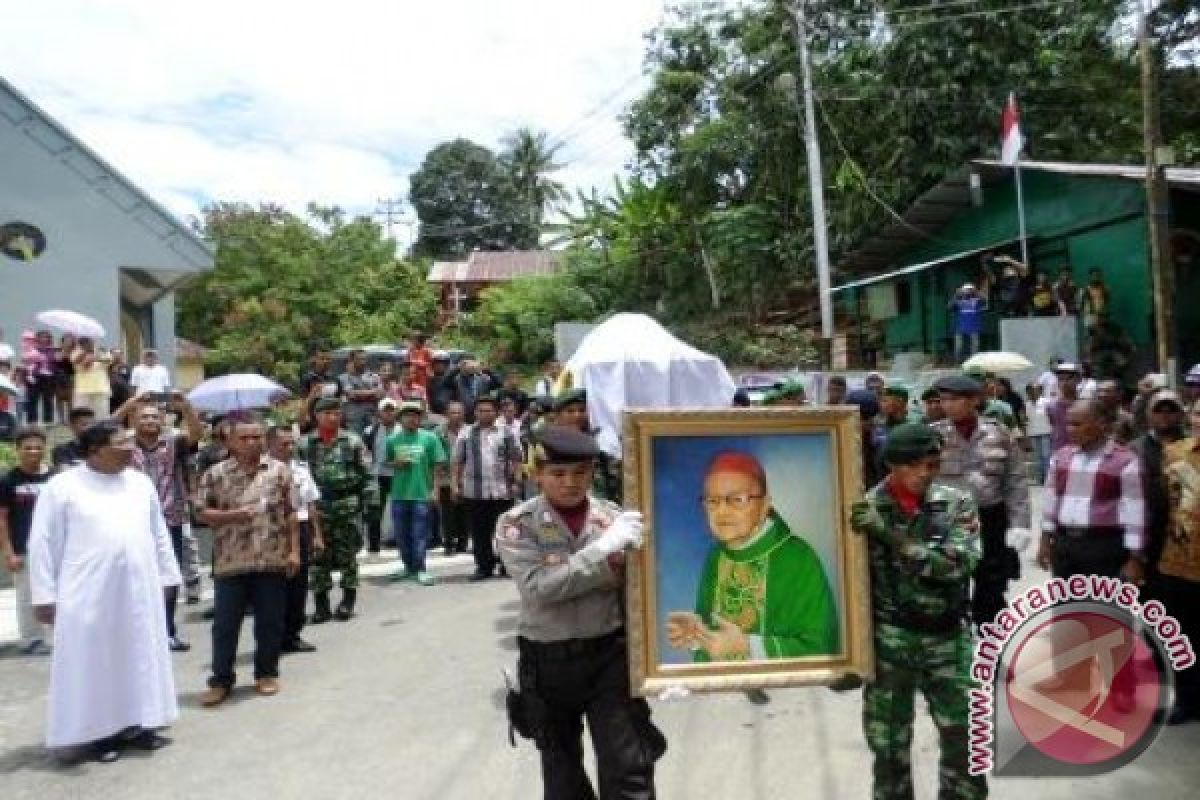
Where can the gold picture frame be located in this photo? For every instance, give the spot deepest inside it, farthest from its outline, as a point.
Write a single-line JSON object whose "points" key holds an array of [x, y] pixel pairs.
{"points": [[811, 462]]}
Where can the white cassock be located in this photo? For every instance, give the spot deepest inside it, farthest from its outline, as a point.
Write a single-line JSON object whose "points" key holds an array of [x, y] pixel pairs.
{"points": [[100, 551]]}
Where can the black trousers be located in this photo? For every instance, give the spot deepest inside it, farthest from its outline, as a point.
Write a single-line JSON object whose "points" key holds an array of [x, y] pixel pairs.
{"points": [[452, 521], [172, 594], [481, 519], [1100, 552], [994, 569], [297, 588], [592, 685], [41, 399], [375, 514], [268, 592], [1182, 600]]}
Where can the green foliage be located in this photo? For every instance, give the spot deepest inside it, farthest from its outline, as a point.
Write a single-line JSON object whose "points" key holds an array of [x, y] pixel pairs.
{"points": [[517, 319], [284, 282], [464, 200]]}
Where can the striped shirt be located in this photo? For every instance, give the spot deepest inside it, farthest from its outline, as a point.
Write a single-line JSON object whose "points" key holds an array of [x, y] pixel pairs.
{"points": [[490, 458], [1100, 488]]}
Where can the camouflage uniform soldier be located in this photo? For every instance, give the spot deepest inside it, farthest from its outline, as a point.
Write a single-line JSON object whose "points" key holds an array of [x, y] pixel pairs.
{"points": [[340, 465], [565, 551], [982, 457], [571, 411], [924, 543]]}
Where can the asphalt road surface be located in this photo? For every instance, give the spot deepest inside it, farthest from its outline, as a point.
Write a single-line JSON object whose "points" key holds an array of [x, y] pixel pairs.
{"points": [[405, 702]]}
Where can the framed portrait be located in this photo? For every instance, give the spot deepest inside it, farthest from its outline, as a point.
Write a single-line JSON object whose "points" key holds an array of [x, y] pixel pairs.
{"points": [[750, 576]]}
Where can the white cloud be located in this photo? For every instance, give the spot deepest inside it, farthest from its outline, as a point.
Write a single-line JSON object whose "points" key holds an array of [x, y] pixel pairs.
{"points": [[290, 102]]}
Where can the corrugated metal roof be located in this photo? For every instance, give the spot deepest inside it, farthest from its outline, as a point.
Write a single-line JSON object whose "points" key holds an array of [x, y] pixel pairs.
{"points": [[936, 208], [495, 266]]}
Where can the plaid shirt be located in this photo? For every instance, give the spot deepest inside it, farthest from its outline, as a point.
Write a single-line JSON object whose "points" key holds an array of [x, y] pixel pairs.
{"points": [[1101, 488], [164, 464], [262, 544]]}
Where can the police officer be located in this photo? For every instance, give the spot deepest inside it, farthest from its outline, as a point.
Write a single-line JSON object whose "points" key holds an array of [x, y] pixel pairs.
{"points": [[565, 550], [340, 465], [923, 543], [981, 456]]}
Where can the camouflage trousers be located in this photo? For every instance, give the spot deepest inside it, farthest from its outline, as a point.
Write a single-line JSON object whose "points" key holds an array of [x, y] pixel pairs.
{"points": [[938, 665], [343, 540]]}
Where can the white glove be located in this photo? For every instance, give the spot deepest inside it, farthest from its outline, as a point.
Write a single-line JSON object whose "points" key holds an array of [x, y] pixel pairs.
{"points": [[624, 532], [1018, 538]]}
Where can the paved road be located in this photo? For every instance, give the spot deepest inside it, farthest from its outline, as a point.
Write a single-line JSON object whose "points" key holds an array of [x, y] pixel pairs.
{"points": [[404, 702]]}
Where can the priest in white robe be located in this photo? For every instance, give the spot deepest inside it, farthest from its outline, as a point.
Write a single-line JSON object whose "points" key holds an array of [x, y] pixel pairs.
{"points": [[100, 558]]}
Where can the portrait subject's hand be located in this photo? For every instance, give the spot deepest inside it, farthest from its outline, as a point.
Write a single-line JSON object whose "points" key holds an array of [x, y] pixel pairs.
{"points": [[683, 629], [726, 643]]}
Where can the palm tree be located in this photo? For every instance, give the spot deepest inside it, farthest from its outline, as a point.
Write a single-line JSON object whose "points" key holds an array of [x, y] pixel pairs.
{"points": [[528, 156]]}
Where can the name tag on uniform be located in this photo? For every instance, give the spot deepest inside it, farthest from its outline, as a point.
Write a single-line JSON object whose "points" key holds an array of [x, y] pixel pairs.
{"points": [[937, 506]]}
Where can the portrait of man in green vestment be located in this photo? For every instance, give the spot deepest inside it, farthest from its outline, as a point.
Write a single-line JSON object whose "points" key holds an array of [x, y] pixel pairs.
{"points": [[763, 592]]}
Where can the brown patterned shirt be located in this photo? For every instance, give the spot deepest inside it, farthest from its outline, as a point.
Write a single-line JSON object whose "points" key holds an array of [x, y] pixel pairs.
{"points": [[262, 544]]}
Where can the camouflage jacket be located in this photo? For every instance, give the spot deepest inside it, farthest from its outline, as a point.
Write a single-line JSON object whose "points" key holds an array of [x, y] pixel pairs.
{"points": [[990, 466], [922, 566], [341, 469]]}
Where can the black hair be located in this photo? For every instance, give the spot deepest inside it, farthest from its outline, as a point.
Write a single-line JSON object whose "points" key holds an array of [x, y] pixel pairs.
{"points": [[79, 412], [487, 398], [98, 435], [28, 432]]}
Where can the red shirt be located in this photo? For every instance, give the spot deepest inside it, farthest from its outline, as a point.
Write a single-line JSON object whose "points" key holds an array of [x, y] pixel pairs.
{"points": [[421, 359]]}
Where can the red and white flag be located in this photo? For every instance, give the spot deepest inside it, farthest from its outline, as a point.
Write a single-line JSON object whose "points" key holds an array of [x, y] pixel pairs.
{"points": [[1011, 140]]}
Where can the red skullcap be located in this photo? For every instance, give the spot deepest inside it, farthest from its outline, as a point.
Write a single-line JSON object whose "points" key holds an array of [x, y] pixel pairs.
{"points": [[738, 462]]}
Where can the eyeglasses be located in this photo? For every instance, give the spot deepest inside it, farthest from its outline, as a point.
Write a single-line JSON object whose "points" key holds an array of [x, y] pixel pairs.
{"points": [[738, 501]]}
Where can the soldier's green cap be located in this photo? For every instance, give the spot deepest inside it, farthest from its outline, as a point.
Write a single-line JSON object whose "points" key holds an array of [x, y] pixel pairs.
{"points": [[410, 406], [557, 444], [910, 442], [783, 391], [896, 390], [958, 384], [568, 397], [327, 404]]}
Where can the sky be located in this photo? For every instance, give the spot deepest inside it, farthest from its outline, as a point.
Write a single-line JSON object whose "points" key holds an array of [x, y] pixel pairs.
{"points": [[337, 103]]}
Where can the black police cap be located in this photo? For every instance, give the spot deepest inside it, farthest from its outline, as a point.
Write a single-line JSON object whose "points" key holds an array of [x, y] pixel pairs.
{"points": [[557, 444], [958, 384]]}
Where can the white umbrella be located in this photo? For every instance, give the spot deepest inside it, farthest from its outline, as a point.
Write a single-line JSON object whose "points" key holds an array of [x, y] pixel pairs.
{"points": [[631, 361], [71, 322], [237, 392], [997, 361], [7, 386]]}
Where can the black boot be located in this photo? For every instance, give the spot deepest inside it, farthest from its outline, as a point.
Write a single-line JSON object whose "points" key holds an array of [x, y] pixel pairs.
{"points": [[322, 613], [346, 609]]}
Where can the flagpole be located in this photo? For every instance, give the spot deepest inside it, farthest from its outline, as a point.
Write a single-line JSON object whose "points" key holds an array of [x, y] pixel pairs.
{"points": [[1021, 213]]}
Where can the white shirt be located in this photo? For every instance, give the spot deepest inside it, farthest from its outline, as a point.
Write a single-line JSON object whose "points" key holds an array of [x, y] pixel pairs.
{"points": [[1039, 421], [150, 379], [1049, 383], [1087, 389], [6, 353], [307, 492]]}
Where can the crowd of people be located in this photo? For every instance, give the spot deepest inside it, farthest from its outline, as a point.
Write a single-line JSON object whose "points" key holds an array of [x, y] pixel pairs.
{"points": [[455, 456]]}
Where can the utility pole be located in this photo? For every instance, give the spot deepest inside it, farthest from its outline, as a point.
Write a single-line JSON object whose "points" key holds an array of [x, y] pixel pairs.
{"points": [[816, 181], [1157, 203]]}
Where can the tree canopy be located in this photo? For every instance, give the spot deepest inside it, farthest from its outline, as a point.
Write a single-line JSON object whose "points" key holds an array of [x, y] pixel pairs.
{"points": [[283, 282]]}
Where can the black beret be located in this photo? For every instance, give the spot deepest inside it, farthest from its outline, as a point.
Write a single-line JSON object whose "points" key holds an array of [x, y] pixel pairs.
{"points": [[327, 404], [930, 394], [557, 444], [909, 442], [897, 390], [570, 396], [958, 384]]}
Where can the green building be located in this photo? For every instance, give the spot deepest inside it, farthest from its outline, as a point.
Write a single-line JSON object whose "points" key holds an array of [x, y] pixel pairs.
{"points": [[895, 287]]}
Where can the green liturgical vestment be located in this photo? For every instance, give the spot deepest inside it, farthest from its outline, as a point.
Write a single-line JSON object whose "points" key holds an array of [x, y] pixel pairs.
{"points": [[775, 590]]}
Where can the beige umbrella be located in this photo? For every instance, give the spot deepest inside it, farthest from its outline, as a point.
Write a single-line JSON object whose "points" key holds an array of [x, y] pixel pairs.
{"points": [[997, 361]]}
